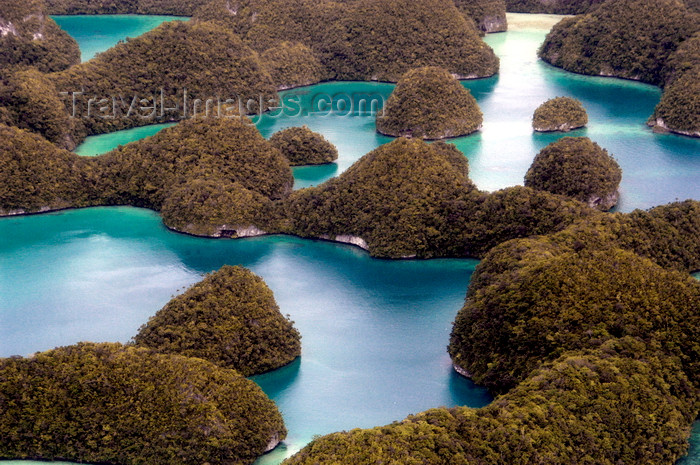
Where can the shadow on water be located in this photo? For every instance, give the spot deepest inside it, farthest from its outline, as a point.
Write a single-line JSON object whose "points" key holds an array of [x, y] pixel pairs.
{"points": [[277, 381]]}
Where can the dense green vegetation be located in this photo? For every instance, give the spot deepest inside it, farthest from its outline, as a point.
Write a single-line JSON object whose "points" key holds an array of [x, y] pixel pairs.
{"points": [[489, 15], [35, 175], [568, 7], [362, 39], [384, 39], [622, 404], [104, 403], [169, 67], [113, 7], [29, 100], [647, 40], [217, 208], [557, 7], [231, 319], [410, 198], [28, 37], [559, 114], [579, 168], [227, 149], [429, 103], [214, 176], [537, 302], [292, 65], [679, 108], [302, 146], [625, 38]]}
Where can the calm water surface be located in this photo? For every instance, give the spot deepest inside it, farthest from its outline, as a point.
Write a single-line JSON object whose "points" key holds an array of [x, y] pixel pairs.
{"points": [[374, 331], [96, 34]]}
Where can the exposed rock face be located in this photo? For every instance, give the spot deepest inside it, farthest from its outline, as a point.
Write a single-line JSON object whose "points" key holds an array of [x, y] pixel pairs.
{"points": [[659, 125], [461, 371], [488, 15], [28, 37], [494, 24], [346, 239]]}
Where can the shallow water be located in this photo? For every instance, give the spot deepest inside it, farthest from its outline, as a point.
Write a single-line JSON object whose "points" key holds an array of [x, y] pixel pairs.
{"points": [[96, 34], [374, 331]]}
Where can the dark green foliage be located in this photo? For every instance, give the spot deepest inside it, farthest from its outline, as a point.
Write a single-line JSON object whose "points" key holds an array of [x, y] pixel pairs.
{"points": [[557, 7], [362, 39], [509, 213], [104, 403], [384, 39], [669, 234], [292, 65], [559, 114], [302, 146], [231, 319], [395, 198], [624, 38], [218, 149], [679, 108], [489, 15], [30, 38], [579, 168], [265, 24], [35, 175], [622, 404], [217, 208], [536, 304], [210, 176], [113, 7], [429, 103], [410, 198], [32, 102], [206, 60]]}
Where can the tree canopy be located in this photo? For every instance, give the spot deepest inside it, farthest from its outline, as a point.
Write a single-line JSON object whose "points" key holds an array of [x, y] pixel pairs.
{"points": [[302, 146], [559, 114], [29, 38], [579, 168], [429, 103], [362, 39], [105, 403], [231, 319]]}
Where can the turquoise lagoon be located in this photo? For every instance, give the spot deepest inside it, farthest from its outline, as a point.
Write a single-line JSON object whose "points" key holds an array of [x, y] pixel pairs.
{"points": [[374, 331], [96, 34]]}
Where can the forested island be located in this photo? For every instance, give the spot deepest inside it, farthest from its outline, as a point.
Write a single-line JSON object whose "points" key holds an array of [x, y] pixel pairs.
{"points": [[302, 146], [579, 168], [591, 344], [429, 103], [230, 319], [559, 114], [28, 37], [176, 393]]}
